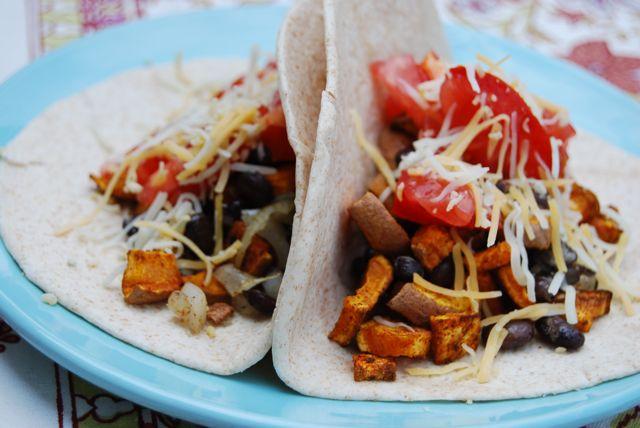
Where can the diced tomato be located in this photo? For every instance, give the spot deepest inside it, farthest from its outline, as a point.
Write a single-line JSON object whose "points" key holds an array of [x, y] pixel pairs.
{"points": [[417, 203], [555, 128], [397, 79], [274, 136], [154, 180], [501, 98]]}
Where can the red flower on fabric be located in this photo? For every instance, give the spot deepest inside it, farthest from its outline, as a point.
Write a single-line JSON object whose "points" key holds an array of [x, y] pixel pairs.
{"points": [[571, 16], [7, 335], [596, 57]]}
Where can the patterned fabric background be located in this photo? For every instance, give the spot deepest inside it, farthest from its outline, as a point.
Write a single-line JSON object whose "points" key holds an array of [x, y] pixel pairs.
{"points": [[602, 36]]}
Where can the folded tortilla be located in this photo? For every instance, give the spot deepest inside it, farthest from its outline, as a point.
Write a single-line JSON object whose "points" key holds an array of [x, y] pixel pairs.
{"points": [[358, 33], [44, 185]]}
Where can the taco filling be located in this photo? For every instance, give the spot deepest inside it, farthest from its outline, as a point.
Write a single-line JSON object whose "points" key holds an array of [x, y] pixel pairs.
{"points": [[477, 233], [207, 204]]}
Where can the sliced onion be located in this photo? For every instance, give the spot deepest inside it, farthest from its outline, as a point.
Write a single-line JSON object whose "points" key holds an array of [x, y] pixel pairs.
{"points": [[190, 306], [236, 281]]}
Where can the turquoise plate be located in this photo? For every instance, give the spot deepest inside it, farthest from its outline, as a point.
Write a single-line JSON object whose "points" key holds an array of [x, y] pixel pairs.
{"points": [[257, 397]]}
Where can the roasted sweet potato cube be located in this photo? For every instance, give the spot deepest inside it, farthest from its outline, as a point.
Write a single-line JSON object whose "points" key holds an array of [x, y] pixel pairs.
{"points": [[150, 276], [214, 290], [376, 280], [418, 304], [102, 182], [258, 258], [377, 185], [235, 232], [382, 231], [390, 143], [485, 284], [283, 181], [590, 304], [517, 292], [369, 367], [219, 312], [493, 257], [584, 201], [608, 230], [449, 332], [431, 245], [385, 341]]}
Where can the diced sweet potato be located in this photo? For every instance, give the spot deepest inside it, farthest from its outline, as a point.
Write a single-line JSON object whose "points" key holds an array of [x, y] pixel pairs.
{"points": [[369, 367], [418, 304], [235, 232], [385, 341], [375, 282], [493, 257], [102, 182], [431, 245], [390, 143], [590, 304], [214, 290], [258, 258], [449, 332], [283, 181], [486, 284], [541, 239], [584, 201], [219, 312], [382, 231], [607, 228], [150, 276], [517, 292]]}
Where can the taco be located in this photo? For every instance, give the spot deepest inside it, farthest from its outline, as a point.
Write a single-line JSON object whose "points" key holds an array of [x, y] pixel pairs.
{"points": [[478, 251], [159, 204]]}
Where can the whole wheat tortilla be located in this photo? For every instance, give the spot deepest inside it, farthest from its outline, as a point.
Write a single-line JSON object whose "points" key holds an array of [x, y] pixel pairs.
{"points": [[73, 137], [358, 33]]}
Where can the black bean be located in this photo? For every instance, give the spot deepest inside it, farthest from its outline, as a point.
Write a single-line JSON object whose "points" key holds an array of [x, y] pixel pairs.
{"points": [[260, 156], [503, 186], [200, 230], [558, 332], [402, 152], [542, 199], [542, 288], [573, 275], [253, 189], [260, 300], [520, 333], [478, 241], [125, 223], [588, 280], [546, 257], [404, 125], [443, 274], [404, 267]]}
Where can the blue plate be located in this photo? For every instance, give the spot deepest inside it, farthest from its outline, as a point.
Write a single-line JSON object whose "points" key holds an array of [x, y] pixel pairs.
{"points": [[257, 396]]}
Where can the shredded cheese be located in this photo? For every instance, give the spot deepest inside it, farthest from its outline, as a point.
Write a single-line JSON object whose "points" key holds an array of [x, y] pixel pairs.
{"points": [[556, 245], [498, 202], [472, 281], [570, 304], [437, 371], [219, 214], [478, 295], [458, 282]]}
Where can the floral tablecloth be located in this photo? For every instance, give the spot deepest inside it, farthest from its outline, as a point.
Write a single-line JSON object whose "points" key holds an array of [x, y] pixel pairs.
{"points": [[602, 36]]}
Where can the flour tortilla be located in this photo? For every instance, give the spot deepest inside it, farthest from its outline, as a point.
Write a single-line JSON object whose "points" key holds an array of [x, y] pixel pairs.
{"points": [[358, 33], [73, 138]]}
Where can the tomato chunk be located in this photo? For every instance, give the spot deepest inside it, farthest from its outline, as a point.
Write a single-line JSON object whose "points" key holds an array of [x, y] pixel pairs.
{"points": [[555, 127], [155, 180], [501, 98], [417, 203], [274, 135], [397, 79]]}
